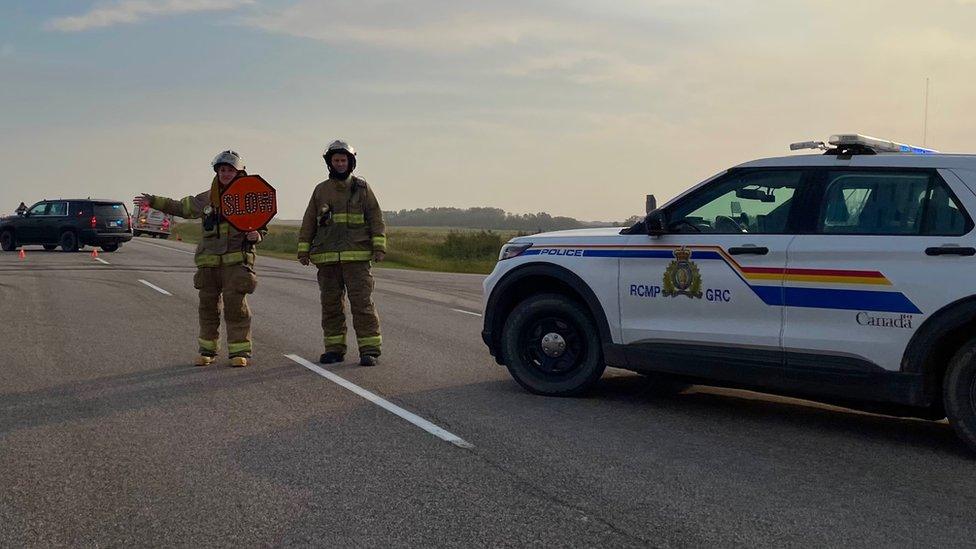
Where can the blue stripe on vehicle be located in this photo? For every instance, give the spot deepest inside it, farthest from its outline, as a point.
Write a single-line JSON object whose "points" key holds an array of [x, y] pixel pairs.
{"points": [[852, 300], [653, 254]]}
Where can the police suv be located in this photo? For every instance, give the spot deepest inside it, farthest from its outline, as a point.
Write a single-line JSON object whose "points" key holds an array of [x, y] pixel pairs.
{"points": [[847, 277]]}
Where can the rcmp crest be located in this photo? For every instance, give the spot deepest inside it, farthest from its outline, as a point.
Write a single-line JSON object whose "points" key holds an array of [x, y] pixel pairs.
{"points": [[682, 276]]}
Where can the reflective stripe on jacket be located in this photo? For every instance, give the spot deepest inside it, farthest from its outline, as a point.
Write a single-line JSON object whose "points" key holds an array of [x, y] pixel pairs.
{"points": [[353, 226], [222, 244]]}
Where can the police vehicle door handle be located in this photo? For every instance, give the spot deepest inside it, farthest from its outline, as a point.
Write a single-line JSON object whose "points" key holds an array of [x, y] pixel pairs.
{"points": [[951, 250], [747, 250]]}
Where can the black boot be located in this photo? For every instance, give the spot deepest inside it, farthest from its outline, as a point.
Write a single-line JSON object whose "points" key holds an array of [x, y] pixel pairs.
{"points": [[368, 360], [331, 358]]}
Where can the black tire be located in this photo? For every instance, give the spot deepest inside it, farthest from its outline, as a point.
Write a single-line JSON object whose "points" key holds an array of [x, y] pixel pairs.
{"points": [[7, 241], [164, 236], [69, 242], [136, 234], [575, 370], [50, 247], [959, 393], [110, 247]]}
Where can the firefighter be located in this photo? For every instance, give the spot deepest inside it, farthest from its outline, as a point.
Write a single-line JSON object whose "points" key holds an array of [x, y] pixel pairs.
{"points": [[225, 265], [342, 232]]}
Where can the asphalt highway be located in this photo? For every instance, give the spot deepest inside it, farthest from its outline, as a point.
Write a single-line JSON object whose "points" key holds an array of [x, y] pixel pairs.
{"points": [[109, 437]]}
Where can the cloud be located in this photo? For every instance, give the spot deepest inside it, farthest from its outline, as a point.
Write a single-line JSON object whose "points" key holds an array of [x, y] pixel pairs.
{"points": [[582, 67], [134, 11], [6, 51], [444, 30]]}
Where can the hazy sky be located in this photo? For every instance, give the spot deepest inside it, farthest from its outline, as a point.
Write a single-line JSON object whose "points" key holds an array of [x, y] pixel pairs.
{"points": [[573, 107]]}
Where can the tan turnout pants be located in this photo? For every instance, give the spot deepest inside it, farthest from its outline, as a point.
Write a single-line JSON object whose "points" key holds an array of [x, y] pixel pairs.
{"points": [[225, 288], [335, 279]]}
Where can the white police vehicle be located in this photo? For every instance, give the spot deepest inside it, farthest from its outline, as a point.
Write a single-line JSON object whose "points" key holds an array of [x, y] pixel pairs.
{"points": [[847, 277]]}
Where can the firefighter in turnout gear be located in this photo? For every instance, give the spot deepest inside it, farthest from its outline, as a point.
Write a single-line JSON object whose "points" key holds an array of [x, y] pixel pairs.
{"points": [[225, 264], [342, 232]]}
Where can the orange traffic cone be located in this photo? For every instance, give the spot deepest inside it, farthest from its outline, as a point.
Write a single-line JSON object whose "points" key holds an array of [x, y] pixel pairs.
{"points": [[21, 254], [94, 253]]}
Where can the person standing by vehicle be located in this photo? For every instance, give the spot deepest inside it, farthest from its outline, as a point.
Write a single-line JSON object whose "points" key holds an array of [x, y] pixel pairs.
{"points": [[342, 231], [225, 264], [21, 209]]}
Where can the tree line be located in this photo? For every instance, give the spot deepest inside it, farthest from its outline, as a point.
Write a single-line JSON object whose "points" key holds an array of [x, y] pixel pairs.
{"points": [[487, 218]]}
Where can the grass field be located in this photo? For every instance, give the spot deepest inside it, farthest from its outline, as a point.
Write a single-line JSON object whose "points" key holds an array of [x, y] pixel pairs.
{"points": [[419, 248]]}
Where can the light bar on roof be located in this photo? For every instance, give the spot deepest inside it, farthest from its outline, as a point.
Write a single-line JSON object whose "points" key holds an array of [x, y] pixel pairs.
{"points": [[878, 145], [808, 145]]}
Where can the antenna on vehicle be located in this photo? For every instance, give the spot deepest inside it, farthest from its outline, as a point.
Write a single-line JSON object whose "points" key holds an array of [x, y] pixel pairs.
{"points": [[925, 122]]}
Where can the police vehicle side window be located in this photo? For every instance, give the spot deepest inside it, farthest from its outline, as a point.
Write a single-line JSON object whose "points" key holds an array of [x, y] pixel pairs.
{"points": [[890, 203], [746, 202]]}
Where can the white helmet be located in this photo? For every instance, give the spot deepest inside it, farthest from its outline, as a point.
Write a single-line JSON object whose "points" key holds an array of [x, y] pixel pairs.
{"points": [[336, 147], [339, 146], [230, 158]]}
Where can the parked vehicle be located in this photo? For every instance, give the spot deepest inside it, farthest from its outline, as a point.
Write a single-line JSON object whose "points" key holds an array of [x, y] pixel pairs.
{"points": [[68, 223], [151, 222], [845, 277]]}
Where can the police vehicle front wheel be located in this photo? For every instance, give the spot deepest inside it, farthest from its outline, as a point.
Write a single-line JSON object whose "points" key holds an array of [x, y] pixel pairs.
{"points": [[959, 393], [551, 346]]}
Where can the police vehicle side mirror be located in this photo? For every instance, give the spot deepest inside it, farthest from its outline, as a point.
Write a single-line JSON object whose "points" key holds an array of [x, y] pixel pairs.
{"points": [[656, 223]]}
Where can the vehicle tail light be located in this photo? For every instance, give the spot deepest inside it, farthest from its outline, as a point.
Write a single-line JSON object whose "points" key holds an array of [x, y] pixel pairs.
{"points": [[94, 222]]}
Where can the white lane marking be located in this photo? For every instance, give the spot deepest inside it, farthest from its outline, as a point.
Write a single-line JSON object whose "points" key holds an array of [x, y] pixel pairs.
{"points": [[154, 287], [100, 260], [385, 404], [163, 247], [466, 312]]}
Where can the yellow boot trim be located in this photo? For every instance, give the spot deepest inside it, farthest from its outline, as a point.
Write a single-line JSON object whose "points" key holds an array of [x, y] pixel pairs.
{"points": [[239, 362], [204, 360]]}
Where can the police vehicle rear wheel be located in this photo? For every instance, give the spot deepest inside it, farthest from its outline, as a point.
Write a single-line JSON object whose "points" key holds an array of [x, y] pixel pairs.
{"points": [[551, 346], [69, 242], [959, 393], [7, 241], [110, 247]]}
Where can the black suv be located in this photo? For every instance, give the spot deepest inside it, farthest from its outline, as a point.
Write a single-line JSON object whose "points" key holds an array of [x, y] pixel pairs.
{"points": [[70, 224]]}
